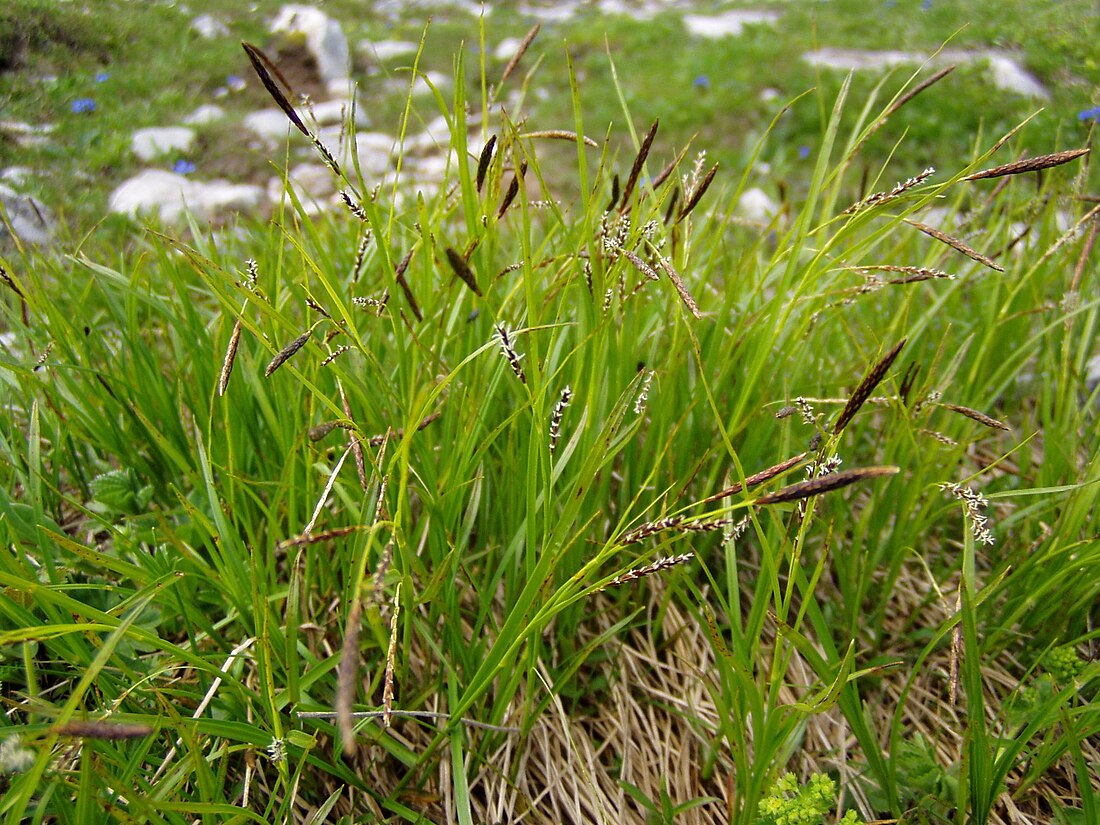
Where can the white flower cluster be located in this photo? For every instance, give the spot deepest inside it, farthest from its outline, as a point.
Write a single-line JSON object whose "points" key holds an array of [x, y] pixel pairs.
{"points": [[975, 504]]}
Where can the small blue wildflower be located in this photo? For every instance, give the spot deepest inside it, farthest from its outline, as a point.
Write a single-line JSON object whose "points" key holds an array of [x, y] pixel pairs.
{"points": [[102, 77], [926, 5], [701, 82], [803, 152], [235, 83], [1089, 114], [83, 104], [890, 3], [183, 167]]}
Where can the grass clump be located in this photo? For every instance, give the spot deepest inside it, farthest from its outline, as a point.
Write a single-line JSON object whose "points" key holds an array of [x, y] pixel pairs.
{"points": [[646, 510]]}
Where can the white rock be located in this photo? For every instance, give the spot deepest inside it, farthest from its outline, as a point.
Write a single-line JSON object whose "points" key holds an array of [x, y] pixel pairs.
{"points": [[375, 152], [1005, 72], [555, 13], [28, 134], [169, 196], [335, 111], [728, 24], [312, 183], [429, 170], [848, 59], [209, 27], [756, 205], [386, 50], [506, 48], [149, 144], [633, 9], [324, 39], [31, 221], [269, 124], [436, 135], [17, 176], [1092, 373], [204, 115], [1012, 77]]}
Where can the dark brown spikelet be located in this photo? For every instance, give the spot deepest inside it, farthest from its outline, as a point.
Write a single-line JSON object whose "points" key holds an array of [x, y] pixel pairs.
{"points": [[648, 570], [901, 101], [956, 244], [376, 440], [757, 478], [315, 434], [681, 287], [908, 379], [346, 673], [825, 484], [615, 192], [639, 162], [314, 538], [287, 352], [267, 72], [640, 265], [1029, 164], [672, 204], [561, 134], [230, 357], [484, 160], [462, 270], [354, 207], [520, 51], [975, 415], [114, 731], [871, 380], [649, 528], [697, 195], [7, 279], [399, 276], [664, 174], [513, 190], [508, 349]]}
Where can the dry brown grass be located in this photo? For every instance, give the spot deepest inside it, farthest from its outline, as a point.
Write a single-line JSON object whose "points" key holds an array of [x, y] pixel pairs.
{"points": [[653, 724]]}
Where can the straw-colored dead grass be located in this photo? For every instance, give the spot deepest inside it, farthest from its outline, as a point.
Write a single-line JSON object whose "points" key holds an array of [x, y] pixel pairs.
{"points": [[654, 722]]}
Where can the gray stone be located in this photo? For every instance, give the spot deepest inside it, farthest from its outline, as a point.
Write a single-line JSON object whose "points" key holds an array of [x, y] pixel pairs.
{"points": [[17, 176], [169, 196], [312, 182], [1009, 75], [436, 135], [332, 112], [324, 39], [387, 50], [1005, 71], [205, 115], [28, 134], [560, 12], [209, 27], [1092, 373], [269, 124], [757, 206], [727, 24], [149, 144], [30, 220], [506, 48], [375, 153]]}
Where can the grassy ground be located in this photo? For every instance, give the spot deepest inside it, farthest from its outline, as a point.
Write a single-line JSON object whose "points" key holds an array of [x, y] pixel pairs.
{"points": [[235, 494], [158, 71]]}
